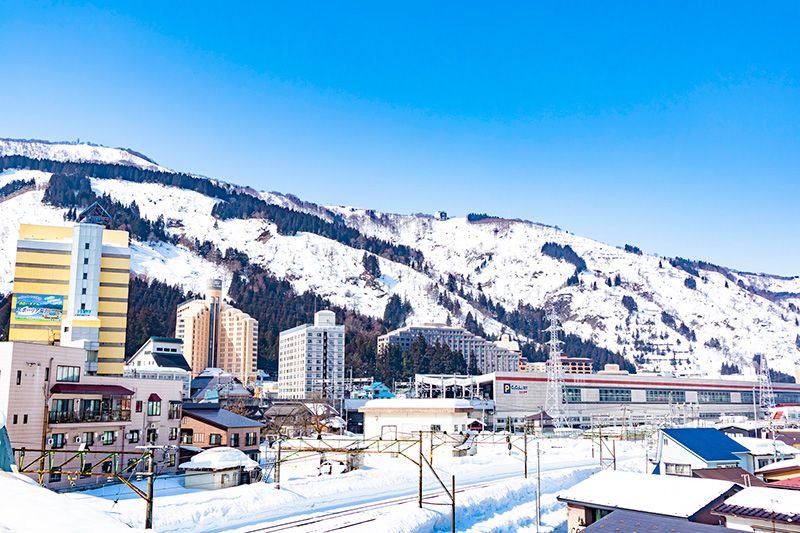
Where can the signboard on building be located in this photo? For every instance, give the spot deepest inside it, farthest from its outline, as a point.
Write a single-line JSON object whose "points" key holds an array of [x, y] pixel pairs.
{"points": [[513, 388], [39, 308]]}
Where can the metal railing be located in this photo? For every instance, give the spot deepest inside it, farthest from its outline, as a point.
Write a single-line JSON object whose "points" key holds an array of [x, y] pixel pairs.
{"points": [[72, 417]]}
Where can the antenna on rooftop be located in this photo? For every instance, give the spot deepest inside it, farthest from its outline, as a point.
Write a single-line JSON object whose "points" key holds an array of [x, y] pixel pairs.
{"points": [[555, 372]]}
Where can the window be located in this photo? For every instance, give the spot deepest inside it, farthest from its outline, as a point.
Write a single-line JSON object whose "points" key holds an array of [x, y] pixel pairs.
{"points": [[58, 440], [154, 408], [108, 467], [19, 377], [139, 406], [83, 290], [152, 436], [24, 419], [665, 396], [47, 374], [436, 427], [85, 260], [86, 246], [85, 275], [173, 433], [615, 395], [572, 395], [170, 459], [87, 438], [673, 469], [83, 306], [234, 442], [86, 471], [130, 467], [68, 373], [14, 419], [108, 437], [174, 410], [764, 462], [747, 397], [199, 437], [133, 436], [215, 439], [55, 475], [713, 396], [250, 438]]}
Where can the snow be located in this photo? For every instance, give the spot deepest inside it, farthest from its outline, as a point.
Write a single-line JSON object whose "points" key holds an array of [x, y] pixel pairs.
{"points": [[219, 459], [766, 446], [494, 491], [780, 465], [644, 492], [30, 508], [418, 403], [82, 152], [769, 499]]}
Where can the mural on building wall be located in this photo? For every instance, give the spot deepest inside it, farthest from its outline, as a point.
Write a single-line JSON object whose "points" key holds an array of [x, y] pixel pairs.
{"points": [[39, 307]]}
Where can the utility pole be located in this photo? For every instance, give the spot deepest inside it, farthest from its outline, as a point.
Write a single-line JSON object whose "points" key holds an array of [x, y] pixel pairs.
{"points": [[538, 487], [148, 517], [525, 450], [419, 498], [278, 466]]}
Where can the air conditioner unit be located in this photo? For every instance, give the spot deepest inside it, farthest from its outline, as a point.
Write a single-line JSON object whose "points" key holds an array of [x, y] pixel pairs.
{"points": [[78, 440], [50, 442]]}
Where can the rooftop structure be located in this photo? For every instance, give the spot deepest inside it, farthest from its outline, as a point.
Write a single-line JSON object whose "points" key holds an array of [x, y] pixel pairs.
{"points": [[762, 509], [632, 521]]}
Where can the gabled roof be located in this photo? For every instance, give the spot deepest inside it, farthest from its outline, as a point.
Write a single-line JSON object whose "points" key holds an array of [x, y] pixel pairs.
{"points": [[221, 418], [707, 443], [615, 489], [171, 360], [763, 503], [735, 475], [635, 521]]}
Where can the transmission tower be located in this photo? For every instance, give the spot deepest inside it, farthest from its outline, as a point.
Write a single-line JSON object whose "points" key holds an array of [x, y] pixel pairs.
{"points": [[766, 396], [555, 375]]}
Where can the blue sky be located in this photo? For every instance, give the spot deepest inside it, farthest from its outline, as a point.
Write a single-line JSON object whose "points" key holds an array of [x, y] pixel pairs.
{"points": [[674, 126]]}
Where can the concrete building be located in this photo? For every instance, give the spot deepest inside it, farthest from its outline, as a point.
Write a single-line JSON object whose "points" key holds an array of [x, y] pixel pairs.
{"points": [[216, 335], [399, 418], [160, 358], [51, 403], [311, 359], [71, 287], [487, 356]]}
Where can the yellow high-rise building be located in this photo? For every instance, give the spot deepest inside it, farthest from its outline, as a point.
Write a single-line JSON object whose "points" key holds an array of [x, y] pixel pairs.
{"points": [[71, 288]]}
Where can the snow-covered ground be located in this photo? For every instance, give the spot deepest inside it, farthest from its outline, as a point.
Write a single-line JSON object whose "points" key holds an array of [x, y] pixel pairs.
{"points": [[492, 494]]}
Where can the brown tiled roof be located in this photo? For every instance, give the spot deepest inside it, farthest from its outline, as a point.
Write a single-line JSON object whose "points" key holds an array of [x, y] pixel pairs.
{"points": [[736, 475]]}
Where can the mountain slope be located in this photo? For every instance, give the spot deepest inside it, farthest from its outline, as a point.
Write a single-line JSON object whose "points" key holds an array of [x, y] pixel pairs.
{"points": [[670, 316]]}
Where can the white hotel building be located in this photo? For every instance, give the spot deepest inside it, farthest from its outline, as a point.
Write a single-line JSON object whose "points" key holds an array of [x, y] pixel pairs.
{"points": [[311, 359]]}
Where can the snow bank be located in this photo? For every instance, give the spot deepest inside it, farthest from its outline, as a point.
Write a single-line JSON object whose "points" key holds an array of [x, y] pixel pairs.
{"points": [[28, 507]]}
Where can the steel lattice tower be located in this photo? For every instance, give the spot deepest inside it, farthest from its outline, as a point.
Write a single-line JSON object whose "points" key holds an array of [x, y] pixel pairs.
{"points": [[555, 375], [766, 396]]}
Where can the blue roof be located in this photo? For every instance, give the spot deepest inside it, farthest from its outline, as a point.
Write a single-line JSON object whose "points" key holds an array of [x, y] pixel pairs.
{"points": [[707, 443]]}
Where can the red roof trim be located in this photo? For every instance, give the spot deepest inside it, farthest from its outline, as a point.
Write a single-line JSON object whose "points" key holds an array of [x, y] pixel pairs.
{"points": [[88, 388]]}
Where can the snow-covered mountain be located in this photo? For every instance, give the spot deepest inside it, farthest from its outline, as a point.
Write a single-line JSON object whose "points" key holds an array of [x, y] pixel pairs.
{"points": [[686, 318]]}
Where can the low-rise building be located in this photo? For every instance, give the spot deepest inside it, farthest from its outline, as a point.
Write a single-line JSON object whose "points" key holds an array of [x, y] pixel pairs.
{"points": [[682, 450], [404, 418], [206, 425], [52, 404], [763, 452], [690, 499], [160, 358], [218, 468], [296, 418], [780, 470], [762, 509]]}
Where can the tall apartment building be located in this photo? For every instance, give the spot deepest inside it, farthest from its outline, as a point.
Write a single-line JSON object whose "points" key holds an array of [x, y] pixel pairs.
{"points": [[71, 287], [217, 335], [488, 356], [311, 359]]}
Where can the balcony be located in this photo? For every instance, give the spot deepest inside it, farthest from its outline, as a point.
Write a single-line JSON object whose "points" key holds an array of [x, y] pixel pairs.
{"points": [[77, 417]]}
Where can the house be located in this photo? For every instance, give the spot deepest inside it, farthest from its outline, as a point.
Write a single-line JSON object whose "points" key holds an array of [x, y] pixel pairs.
{"points": [[207, 425], [762, 452], [217, 386], [218, 468], [621, 520], [405, 417], [681, 450], [762, 509], [689, 499], [295, 418], [160, 358], [780, 470], [376, 390]]}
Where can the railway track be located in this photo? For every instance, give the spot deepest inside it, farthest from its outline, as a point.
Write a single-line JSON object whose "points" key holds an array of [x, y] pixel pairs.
{"points": [[336, 515]]}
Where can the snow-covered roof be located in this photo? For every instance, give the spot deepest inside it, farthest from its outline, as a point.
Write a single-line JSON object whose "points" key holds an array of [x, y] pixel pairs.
{"points": [[418, 403], [219, 459], [777, 466], [614, 489], [766, 446], [769, 499]]}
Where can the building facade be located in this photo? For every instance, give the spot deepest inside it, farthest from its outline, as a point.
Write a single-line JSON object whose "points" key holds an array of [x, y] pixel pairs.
{"points": [[206, 425], [71, 287], [52, 404], [311, 359], [488, 356], [216, 335], [161, 358]]}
